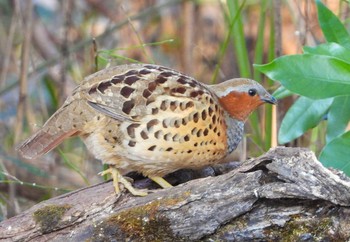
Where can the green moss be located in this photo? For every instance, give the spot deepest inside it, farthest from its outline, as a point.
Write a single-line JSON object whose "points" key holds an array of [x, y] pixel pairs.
{"points": [[300, 226], [142, 223], [49, 216]]}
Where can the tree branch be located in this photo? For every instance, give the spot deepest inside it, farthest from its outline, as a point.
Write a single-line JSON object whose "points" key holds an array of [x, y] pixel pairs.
{"points": [[285, 193]]}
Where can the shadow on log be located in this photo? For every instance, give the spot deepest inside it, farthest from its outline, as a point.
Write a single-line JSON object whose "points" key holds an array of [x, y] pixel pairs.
{"points": [[285, 194]]}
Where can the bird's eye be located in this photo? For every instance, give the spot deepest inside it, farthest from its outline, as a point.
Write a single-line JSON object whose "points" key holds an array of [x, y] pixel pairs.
{"points": [[252, 92]]}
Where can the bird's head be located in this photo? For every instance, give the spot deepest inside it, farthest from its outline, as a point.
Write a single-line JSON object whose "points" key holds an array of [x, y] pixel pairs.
{"points": [[240, 97]]}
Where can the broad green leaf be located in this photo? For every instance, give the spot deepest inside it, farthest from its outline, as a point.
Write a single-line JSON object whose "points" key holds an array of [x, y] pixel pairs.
{"points": [[338, 117], [330, 49], [282, 92], [336, 153], [303, 115], [313, 76], [332, 28]]}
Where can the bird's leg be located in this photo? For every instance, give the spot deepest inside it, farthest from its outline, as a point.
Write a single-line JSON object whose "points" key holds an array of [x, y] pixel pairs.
{"points": [[160, 181], [118, 178]]}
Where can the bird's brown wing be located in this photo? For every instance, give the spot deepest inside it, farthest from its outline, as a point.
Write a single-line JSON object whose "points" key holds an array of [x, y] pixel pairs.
{"points": [[127, 92]]}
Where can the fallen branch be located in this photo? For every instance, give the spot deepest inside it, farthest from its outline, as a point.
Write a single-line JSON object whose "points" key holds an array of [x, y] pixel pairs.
{"points": [[285, 193]]}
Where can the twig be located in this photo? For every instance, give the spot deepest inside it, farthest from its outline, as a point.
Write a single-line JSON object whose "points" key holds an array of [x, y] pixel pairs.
{"points": [[9, 44]]}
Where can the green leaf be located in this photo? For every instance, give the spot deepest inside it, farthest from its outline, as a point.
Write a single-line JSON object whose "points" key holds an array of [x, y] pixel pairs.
{"points": [[336, 153], [330, 49], [332, 28], [303, 115], [338, 117], [282, 92], [313, 76]]}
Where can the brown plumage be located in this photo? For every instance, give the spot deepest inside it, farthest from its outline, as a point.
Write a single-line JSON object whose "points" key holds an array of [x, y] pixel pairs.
{"points": [[151, 119]]}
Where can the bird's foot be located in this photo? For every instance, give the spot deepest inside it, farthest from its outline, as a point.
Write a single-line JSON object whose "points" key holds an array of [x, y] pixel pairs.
{"points": [[118, 178], [160, 181]]}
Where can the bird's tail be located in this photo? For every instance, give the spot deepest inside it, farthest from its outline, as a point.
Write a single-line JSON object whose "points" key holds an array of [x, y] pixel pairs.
{"points": [[41, 142], [54, 131]]}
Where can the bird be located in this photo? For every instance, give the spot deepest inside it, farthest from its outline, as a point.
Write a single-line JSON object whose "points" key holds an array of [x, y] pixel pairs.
{"points": [[150, 119]]}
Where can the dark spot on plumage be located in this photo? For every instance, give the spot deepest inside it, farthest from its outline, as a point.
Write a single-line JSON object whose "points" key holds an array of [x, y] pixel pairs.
{"points": [[131, 80], [173, 105], [194, 94], [199, 133], [219, 134], [60, 127], [184, 121], [131, 72], [210, 126], [126, 91], [152, 86], [117, 79], [211, 101], [131, 130], [204, 114], [92, 90], [187, 138], [163, 105], [135, 117], [182, 80], [195, 144], [189, 104], [98, 117], [169, 149], [128, 106], [155, 110], [216, 107], [109, 131], [146, 93], [205, 132], [167, 136], [158, 134], [194, 131], [164, 124], [167, 74], [177, 123], [180, 90], [144, 72], [144, 135], [210, 111], [193, 84], [213, 119], [152, 148], [103, 86], [132, 143], [195, 117], [161, 79], [74, 125], [200, 92], [115, 138], [215, 129], [152, 123], [189, 151], [149, 101], [151, 67], [176, 137]]}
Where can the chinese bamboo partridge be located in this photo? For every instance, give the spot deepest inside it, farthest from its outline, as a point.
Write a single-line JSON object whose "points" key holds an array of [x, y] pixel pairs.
{"points": [[151, 119]]}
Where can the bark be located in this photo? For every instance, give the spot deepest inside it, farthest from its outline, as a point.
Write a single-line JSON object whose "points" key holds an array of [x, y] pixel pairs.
{"points": [[286, 194]]}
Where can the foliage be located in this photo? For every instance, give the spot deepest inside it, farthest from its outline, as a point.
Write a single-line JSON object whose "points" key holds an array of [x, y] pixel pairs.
{"points": [[321, 76]]}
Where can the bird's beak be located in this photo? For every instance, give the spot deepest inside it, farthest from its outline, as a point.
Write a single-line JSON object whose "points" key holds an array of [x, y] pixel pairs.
{"points": [[269, 99]]}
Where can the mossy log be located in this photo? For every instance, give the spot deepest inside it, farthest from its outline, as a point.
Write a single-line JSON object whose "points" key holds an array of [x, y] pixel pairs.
{"points": [[284, 195]]}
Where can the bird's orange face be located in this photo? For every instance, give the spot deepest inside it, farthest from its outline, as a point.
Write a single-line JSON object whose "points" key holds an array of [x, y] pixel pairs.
{"points": [[240, 104]]}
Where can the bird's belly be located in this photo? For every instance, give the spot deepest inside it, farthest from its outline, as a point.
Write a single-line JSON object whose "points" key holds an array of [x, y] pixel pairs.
{"points": [[160, 147]]}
